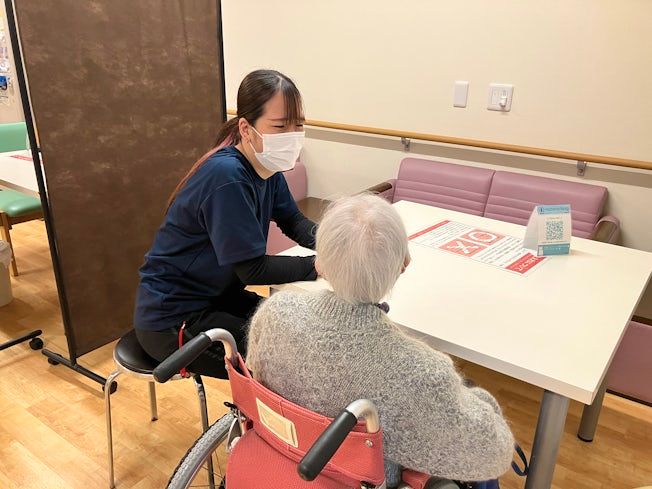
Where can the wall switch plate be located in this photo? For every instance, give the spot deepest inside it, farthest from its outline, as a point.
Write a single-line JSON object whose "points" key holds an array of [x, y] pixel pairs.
{"points": [[461, 93], [500, 97]]}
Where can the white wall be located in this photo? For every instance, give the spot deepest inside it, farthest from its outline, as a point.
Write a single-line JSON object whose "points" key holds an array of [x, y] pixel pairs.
{"points": [[581, 68], [581, 71]]}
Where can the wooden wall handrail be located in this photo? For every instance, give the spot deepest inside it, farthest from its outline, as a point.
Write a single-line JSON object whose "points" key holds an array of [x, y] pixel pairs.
{"points": [[476, 143]]}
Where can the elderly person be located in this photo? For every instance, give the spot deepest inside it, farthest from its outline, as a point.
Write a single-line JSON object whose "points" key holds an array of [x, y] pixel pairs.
{"points": [[325, 349]]}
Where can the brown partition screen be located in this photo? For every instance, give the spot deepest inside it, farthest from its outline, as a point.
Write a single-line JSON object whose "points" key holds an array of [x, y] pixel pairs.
{"points": [[126, 95]]}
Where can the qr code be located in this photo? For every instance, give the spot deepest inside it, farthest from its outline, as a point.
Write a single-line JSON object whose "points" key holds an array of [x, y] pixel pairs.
{"points": [[554, 230]]}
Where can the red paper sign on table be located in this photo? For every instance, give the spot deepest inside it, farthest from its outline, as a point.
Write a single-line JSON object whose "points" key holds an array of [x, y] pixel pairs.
{"points": [[494, 249]]}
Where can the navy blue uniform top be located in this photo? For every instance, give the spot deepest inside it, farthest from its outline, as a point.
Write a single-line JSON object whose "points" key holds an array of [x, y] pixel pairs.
{"points": [[219, 218]]}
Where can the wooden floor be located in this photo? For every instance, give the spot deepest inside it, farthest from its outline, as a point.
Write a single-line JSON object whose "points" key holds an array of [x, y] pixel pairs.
{"points": [[52, 426]]}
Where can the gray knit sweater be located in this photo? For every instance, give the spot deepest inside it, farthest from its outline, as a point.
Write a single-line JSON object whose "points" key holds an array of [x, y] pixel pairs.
{"points": [[321, 352]]}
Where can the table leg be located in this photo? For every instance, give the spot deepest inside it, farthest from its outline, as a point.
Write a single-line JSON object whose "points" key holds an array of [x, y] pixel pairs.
{"points": [[550, 428], [591, 414]]}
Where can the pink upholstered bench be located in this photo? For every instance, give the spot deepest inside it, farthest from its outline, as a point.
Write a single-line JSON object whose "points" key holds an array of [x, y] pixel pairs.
{"points": [[502, 195], [513, 196], [311, 207], [510, 196], [455, 187]]}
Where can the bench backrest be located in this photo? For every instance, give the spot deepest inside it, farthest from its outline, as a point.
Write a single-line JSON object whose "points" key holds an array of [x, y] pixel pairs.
{"points": [[456, 187], [513, 196]]}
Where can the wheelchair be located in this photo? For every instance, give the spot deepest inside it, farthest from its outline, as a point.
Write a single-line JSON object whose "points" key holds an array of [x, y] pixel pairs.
{"points": [[266, 441]]}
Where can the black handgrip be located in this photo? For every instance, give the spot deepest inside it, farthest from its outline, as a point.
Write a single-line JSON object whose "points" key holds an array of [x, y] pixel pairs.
{"points": [[326, 445], [181, 358]]}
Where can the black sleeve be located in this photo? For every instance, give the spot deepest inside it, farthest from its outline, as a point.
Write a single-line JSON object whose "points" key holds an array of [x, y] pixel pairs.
{"points": [[299, 229], [268, 270]]}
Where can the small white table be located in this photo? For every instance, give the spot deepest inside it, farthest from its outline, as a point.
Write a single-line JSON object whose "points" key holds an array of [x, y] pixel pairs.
{"points": [[18, 172], [557, 327]]}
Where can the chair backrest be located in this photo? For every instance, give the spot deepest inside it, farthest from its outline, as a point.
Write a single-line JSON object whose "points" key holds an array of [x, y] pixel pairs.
{"points": [[290, 430], [297, 181], [13, 137], [456, 187], [631, 367], [513, 196], [298, 184]]}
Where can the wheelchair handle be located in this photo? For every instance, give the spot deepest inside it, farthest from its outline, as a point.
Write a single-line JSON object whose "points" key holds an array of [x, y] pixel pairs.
{"points": [[334, 435], [189, 352]]}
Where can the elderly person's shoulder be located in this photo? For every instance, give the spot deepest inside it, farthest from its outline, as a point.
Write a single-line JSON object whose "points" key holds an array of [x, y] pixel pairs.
{"points": [[284, 299], [283, 307], [280, 319]]}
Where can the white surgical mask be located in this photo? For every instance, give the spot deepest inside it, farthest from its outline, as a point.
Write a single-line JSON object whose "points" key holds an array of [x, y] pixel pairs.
{"points": [[280, 151]]}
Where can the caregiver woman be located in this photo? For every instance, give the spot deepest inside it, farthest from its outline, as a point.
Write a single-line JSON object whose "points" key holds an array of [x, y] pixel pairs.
{"points": [[213, 239]]}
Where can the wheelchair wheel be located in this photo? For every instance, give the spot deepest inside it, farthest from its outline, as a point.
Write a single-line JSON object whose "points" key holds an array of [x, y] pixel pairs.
{"points": [[195, 469]]}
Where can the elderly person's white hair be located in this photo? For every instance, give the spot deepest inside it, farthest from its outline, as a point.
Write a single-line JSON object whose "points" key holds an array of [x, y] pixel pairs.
{"points": [[361, 248]]}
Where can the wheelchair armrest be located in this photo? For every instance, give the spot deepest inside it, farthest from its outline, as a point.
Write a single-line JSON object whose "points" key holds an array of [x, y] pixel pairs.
{"points": [[606, 230]]}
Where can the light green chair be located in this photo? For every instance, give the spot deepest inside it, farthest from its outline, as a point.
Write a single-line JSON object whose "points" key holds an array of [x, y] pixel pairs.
{"points": [[17, 207], [13, 137]]}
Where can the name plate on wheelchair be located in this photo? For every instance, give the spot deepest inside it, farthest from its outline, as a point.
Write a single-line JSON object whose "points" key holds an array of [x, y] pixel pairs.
{"points": [[282, 427]]}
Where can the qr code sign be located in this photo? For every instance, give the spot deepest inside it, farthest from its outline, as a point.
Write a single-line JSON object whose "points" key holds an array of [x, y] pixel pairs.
{"points": [[554, 230]]}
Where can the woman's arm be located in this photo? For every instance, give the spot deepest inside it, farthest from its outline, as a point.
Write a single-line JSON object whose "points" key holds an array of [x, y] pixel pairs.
{"points": [[266, 270], [434, 424]]}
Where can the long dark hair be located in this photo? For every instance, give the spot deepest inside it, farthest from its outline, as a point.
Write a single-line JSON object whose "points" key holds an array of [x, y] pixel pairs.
{"points": [[255, 91]]}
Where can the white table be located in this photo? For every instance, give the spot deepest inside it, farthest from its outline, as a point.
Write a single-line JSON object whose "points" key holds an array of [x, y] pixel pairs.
{"points": [[18, 173], [557, 327]]}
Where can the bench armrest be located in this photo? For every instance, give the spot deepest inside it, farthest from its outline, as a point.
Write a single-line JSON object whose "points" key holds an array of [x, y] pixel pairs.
{"points": [[313, 208], [384, 190], [606, 230]]}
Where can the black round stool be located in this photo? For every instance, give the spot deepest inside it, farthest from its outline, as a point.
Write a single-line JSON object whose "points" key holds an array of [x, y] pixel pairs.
{"points": [[130, 359]]}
